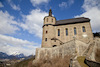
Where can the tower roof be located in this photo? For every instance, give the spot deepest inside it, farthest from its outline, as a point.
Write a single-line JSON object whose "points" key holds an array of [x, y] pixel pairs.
{"points": [[50, 12]]}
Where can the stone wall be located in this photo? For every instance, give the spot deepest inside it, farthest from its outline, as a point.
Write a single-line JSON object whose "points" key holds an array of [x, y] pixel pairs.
{"points": [[73, 47], [65, 49]]}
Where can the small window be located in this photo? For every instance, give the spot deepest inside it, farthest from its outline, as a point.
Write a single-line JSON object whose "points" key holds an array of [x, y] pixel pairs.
{"points": [[75, 31], [52, 19], [83, 28], [45, 39], [66, 32], [46, 32], [58, 32], [54, 45], [47, 19]]}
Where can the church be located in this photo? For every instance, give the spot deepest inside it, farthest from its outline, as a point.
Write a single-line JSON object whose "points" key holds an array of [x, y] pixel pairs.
{"points": [[58, 32]]}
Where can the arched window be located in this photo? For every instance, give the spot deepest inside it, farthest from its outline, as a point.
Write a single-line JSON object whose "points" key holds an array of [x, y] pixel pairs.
{"points": [[83, 28], [66, 31], [58, 32], [75, 31], [45, 39], [46, 32], [47, 19], [52, 19]]}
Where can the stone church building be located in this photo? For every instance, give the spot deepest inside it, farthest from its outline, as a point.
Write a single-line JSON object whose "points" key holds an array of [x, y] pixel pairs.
{"points": [[56, 33]]}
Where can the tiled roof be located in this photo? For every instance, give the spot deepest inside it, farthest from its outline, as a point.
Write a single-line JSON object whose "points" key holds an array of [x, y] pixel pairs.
{"points": [[72, 21]]}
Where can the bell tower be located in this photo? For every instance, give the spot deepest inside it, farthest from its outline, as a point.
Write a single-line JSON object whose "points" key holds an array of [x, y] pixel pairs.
{"points": [[48, 30]]}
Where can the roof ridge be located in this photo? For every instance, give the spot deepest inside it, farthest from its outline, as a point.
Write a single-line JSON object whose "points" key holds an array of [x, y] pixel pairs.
{"points": [[74, 18]]}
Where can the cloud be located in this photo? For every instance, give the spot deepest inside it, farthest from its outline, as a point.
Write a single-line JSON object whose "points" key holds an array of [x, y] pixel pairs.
{"points": [[38, 2], [15, 7], [89, 4], [34, 21], [7, 23], [63, 4], [66, 4], [1, 5], [70, 2], [11, 45], [92, 11]]}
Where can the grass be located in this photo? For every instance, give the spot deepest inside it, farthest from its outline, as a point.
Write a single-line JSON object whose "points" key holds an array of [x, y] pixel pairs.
{"points": [[81, 61], [24, 63]]}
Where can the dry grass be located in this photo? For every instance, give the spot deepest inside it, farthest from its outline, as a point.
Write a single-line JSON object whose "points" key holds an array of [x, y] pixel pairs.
{"points": [[24, 63], [54, 62], [81, 61], [97, 55]]}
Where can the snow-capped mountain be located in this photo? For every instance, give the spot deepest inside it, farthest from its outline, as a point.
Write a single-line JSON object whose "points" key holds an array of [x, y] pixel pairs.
{"points": [[5, 56]]}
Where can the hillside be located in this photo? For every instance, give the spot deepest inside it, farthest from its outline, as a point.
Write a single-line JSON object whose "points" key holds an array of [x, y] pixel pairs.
{"points": [[54, 62], [25, 63]]}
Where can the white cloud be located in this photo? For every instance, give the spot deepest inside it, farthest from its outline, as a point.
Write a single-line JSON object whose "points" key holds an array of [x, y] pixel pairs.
{"points": [[38, 2], [7, 23], [92, 11], [70, 2], [11, 45], [1, 5], [63, 4], [88, 4], [34, 21], [66, 4], [15, 7]]}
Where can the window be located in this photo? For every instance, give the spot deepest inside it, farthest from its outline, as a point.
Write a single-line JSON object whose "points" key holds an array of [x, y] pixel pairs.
{"points": [[47, 19], [58, 32], [46, 32], [83, 28], [45, 39], [54, 45], [75, 31], [52, 19], [66, 32]]}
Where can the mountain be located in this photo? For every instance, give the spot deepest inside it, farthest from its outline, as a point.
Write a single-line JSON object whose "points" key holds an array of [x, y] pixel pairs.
{"points": [[5, 56]]}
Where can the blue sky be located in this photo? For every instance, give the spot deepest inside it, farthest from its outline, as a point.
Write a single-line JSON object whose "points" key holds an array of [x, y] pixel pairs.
{"points": [[21, 21]]}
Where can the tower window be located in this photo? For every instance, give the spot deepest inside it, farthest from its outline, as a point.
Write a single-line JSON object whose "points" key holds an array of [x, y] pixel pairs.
{"points": [[58, 32], [46, 32], [45, 39], [66, 32], [83, 28], [47, 19], [75, 31]]}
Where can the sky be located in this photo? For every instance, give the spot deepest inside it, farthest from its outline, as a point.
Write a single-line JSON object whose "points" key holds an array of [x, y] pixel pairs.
{"points": [[21, 21]]}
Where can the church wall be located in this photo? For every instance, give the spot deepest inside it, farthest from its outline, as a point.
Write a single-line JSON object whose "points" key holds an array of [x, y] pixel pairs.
{"points": [[71, 35]]}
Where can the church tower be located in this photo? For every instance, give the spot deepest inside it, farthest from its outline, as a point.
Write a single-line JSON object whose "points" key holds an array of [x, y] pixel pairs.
{"points": [[48, 30]]}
